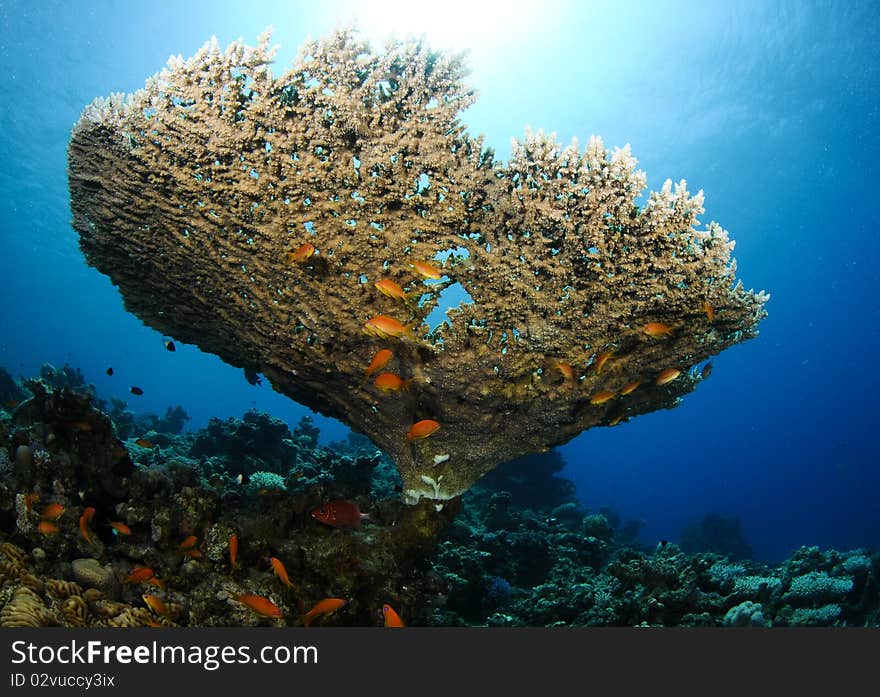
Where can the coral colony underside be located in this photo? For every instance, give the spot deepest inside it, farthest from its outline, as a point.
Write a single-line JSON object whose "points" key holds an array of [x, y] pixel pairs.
{"points": [[113, 519], [304, 226]]}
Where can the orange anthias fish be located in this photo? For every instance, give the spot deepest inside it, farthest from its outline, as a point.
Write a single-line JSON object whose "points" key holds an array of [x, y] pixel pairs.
{"points": [[657, 329], [385, 327], [156, 604], [144, 443], [709, 310], [139, 574], [259, 604], [188, 543], [301, 254], [426, 270], [339, 514], [391, 289], [389, 382], [565, 368], [602, 359], [668, 376], [233, 551], [52, 512], [84, 520], [120, 528], [280, 571], [380, 360], [602, 397], [422, 429], [630, 387], [323, 607], [29, 501], [392, 619], [47, 528]]}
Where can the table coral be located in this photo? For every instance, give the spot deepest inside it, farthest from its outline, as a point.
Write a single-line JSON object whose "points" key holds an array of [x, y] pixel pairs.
{"points": [[252, 215]]}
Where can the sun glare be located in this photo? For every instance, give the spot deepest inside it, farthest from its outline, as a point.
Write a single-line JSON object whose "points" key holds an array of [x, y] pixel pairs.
{"points": [[481, 28]]}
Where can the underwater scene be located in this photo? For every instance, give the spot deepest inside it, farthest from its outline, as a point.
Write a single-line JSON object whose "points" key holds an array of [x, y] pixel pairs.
{"points": [[397, 314]]}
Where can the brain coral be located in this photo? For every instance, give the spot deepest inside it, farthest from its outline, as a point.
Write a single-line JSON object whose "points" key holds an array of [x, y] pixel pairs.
{"points": [[199, 195]]}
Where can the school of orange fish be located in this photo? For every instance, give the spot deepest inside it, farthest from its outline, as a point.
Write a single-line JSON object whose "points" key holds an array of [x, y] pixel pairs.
{"points": [[386, 327], [337, 514]]}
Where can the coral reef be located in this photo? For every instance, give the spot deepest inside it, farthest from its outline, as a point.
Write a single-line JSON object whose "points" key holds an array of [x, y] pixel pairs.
{"points": [[63, 457], [255, 442], [549, 574], [173, 422], [11, 392], [531, 481], [253, 216], [516, 550], [66, 376]]}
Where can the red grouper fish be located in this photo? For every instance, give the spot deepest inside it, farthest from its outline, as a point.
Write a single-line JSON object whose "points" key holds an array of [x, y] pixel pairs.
{"points": [[339, 514]]}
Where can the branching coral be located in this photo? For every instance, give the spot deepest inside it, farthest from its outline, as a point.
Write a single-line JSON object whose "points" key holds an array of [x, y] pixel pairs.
{"points": [[252, 215]]}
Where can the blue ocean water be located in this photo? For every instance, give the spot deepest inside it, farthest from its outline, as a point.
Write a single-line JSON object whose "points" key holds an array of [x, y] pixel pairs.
{"points": [[770, 108]]}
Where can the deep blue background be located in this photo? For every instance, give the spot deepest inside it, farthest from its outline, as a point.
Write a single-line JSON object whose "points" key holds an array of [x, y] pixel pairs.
{"points": [[770, 108]]}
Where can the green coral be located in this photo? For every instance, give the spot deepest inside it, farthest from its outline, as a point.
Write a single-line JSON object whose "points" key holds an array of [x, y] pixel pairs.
{"points": [[266, 480], [752, 585], [724, 571], [817, 585], [815, 616], [597, 525], [857, 564], [746, 614]]}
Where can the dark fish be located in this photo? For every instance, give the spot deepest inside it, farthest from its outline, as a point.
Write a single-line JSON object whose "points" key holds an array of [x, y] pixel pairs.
{"points": [[706, 371], [136, 390], [170, 345], [110, 371]]}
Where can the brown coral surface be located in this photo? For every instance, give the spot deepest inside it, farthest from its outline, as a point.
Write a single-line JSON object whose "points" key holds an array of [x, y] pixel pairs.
{"points": [[196, 195]]}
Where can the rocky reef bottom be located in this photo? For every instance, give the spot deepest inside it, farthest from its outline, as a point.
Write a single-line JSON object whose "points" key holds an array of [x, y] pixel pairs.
{"points": [[108, 519]]}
